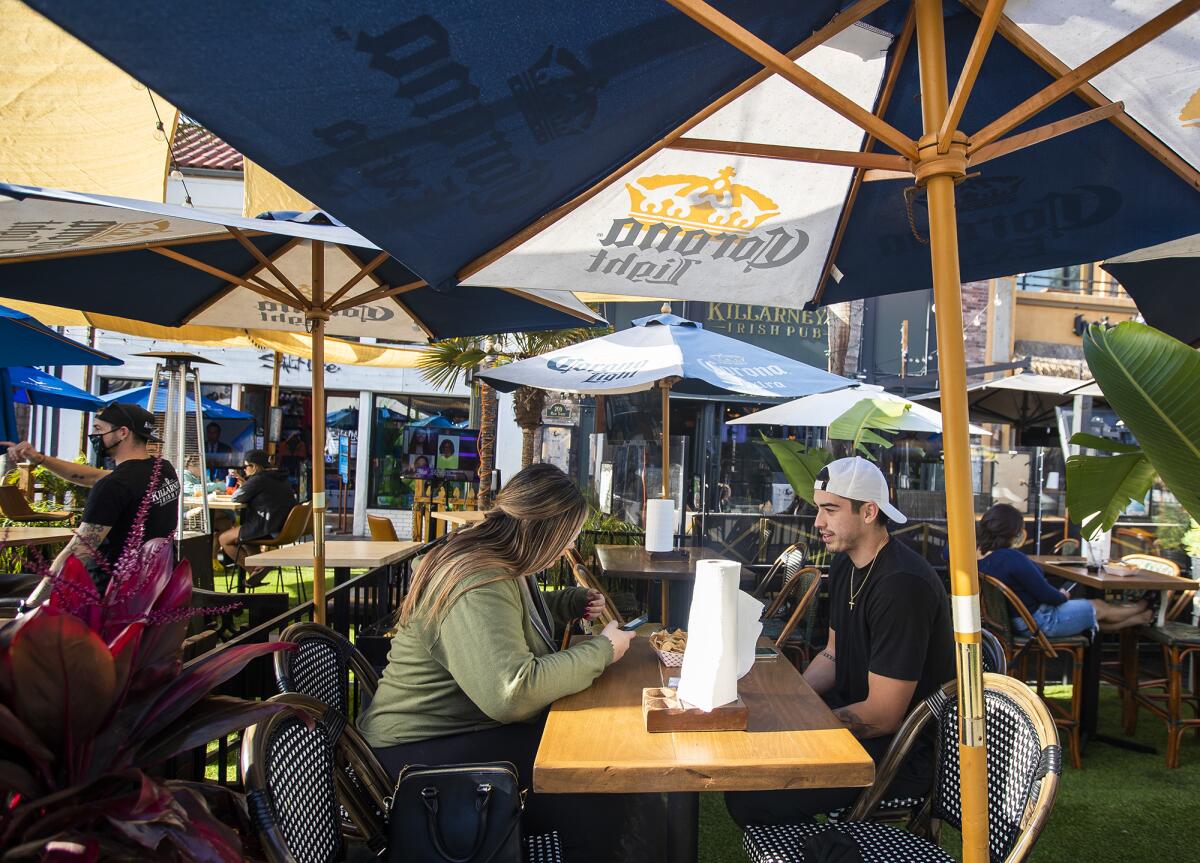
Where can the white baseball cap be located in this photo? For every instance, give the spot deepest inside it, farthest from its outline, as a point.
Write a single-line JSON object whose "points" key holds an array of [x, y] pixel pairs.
{"points": [[858, 479]]}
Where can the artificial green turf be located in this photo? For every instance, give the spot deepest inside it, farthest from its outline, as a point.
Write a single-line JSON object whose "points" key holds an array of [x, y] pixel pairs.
{"points": [[1121, 807]]}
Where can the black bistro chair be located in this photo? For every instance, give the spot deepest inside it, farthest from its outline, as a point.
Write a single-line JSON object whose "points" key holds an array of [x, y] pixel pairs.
{"points": [[321, 667], [1024, 761]]}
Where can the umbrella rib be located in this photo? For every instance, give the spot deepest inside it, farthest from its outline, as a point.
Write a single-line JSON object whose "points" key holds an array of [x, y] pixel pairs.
{"points": [[1037, 52], [988, 22], [1081, 74], [848, 17], [364, 270], [860, 176], [380, 293], [575, 313], [821, 156], [268, 263], [778, 62], [221, 274], [979, 155]]}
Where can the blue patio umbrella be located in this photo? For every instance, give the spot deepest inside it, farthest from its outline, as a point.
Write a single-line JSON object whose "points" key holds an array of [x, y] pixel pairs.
{"points": [[436, 421], [35, 387], [210, 410], [24, 340]]}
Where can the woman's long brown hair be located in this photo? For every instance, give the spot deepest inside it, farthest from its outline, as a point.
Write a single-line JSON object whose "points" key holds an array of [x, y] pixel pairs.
{"points": [[536, 515]]}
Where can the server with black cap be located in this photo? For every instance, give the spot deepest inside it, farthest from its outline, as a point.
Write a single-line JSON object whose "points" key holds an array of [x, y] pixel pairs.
{"points": [[119, 432]]}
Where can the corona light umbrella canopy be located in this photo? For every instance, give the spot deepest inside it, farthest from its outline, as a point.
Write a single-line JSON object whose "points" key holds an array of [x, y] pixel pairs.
{"points": [[36, 387], [1164, 281], [670, 352], [824, 408], [802, 158], [174, 265]]}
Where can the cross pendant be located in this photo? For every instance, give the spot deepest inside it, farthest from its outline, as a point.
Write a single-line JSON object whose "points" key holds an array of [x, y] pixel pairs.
{"points": [[852, 605]]}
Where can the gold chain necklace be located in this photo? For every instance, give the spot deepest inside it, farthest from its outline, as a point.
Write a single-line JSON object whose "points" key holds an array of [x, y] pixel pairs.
{"points": [[854, 594]]}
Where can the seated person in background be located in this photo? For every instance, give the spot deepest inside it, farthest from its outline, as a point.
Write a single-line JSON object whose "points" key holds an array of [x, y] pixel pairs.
{"points": [[891, 644], [268, 498], [193, 483], [1000, 535], [475, 661]]}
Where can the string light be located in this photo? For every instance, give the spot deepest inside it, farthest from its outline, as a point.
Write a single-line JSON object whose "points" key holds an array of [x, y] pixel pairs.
{"points": [[160, 134]]}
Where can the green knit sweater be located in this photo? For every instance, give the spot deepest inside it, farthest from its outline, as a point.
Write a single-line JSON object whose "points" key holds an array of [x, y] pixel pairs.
{"points": [[482, 666]]}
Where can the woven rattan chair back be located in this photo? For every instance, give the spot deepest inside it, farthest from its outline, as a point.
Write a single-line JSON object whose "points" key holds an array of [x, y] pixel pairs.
{"points": [[993, 653], [1024, 761], [297, 785], [790, 561], [321, 667], [584, 578], [1152, 563]]}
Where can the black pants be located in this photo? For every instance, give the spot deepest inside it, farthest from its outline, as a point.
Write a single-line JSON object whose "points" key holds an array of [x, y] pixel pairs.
{"points": [[913, 779], [605, 828]]}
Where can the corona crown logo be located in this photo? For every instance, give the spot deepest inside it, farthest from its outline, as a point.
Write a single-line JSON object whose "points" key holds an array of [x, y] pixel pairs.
{"points": [[1190, 115], [708, 203]]}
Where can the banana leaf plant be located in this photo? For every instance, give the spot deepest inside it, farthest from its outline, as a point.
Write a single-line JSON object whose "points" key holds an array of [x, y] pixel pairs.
{"points": [[862, 423], [800, 464], [94, 698], [1150, 379]]}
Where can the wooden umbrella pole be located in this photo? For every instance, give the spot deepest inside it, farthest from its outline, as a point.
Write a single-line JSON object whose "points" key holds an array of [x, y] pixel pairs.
{"points": [[666, 438], [317, 315], [938, 172]]}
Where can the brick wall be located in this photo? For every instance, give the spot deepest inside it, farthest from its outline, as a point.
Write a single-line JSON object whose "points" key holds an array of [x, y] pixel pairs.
{"points": [[975, 322]]}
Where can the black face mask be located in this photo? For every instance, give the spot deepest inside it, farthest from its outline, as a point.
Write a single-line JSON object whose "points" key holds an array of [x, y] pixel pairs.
{"points": [[99, 449]]}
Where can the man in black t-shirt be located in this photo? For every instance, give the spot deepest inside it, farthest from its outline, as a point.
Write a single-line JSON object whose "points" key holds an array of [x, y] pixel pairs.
{"points": [[891, 642], [121, 432]]}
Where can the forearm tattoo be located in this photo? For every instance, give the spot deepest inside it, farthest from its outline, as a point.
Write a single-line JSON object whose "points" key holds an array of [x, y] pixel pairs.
{"points": [[829, 656], [855, 723]]}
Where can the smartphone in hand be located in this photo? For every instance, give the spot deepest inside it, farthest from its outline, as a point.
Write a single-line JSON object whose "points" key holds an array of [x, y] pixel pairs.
{"points": [[632, 625]]}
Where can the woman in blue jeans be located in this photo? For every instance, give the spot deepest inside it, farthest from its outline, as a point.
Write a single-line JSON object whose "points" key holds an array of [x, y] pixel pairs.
{"points": [[1001, 533]]}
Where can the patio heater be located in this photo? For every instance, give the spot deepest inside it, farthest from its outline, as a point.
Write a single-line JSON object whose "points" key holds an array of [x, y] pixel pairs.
{"points": [[176, 373]]}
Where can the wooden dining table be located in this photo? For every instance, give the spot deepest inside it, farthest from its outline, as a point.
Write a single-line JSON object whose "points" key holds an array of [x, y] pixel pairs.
{"points": [[634, 562], [29, 536], [1095, 585], [460, 517], [340, 555], [595, 741]]}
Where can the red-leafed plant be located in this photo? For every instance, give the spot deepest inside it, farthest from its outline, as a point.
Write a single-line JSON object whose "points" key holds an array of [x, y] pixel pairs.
{"points": [[94, 697]]}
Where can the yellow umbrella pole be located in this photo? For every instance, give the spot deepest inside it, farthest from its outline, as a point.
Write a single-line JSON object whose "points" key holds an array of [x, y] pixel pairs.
{"points": [[938, 174], [318, 316]]}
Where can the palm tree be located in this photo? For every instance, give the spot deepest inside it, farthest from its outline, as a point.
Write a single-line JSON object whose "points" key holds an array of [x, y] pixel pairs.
{"points": [[446, 361]]}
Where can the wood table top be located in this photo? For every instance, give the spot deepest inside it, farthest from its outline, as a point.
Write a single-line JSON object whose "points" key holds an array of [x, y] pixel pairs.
{"points": [[351, 553], [215, 501], [633, 561], [596, 740], [1075, 569], [10, 536], [460, 518]]}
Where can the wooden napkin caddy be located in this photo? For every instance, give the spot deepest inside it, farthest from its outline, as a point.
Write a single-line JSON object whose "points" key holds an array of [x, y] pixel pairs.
{"points": [[662, 711]]}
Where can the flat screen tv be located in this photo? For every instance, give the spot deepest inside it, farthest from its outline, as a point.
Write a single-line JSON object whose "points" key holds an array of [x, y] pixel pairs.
{"points": [[441, 453]]}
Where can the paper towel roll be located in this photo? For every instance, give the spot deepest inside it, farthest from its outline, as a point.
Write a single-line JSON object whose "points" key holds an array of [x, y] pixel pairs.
{"points": [[709, 675], [660, 524]]}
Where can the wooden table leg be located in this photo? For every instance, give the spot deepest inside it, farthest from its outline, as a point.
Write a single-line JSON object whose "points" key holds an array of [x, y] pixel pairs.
{"points": [[666, 602], [683, 826]]}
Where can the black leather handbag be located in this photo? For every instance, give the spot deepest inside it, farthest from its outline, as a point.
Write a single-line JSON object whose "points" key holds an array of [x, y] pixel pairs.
{"points": [[460, 813]]}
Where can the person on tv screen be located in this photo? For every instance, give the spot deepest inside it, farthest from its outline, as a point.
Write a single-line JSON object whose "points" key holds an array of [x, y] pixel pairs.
{"points": [[420, 466], [447, 455]]}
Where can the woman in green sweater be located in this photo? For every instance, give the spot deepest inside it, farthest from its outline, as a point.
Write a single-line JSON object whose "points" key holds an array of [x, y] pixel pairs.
{"points": [[474, 664]]}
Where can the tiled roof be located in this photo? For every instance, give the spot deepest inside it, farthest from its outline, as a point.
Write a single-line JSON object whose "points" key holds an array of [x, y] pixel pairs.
{"points": [[196, 147]]}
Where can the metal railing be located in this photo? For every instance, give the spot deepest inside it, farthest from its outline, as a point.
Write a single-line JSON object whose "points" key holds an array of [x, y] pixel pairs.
{"points": [[1041, 282]]}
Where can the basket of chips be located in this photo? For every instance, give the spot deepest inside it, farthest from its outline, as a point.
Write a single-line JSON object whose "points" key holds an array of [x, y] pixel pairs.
{"points": [[669, 646]]}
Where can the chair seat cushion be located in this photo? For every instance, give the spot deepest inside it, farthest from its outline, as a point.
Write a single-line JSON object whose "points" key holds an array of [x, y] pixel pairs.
{"points": [[1062, 641], [892, 807], [1171, 632], [878, 843], [543, 848]]}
